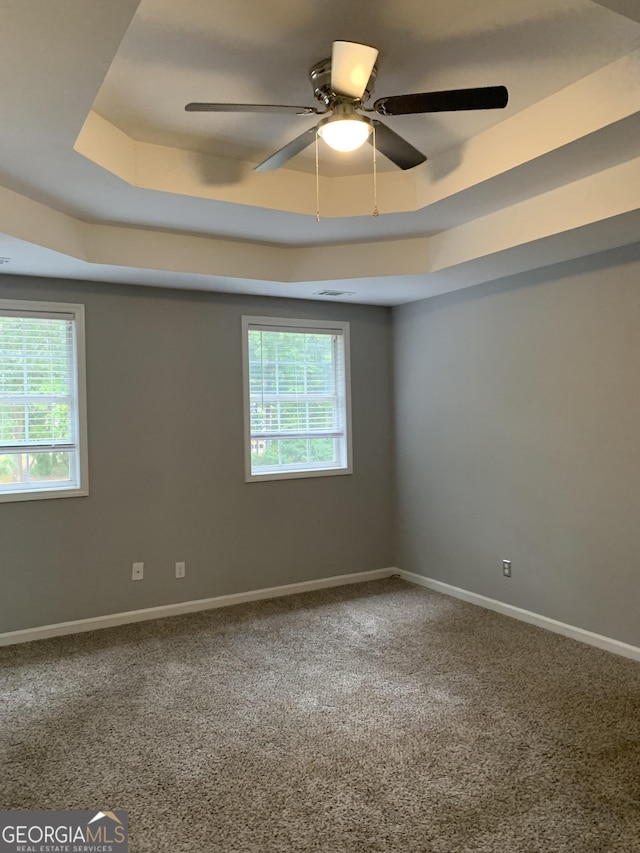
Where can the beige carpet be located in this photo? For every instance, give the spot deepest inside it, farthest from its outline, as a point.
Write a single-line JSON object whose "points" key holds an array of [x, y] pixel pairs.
{"points": [[380, 717]]}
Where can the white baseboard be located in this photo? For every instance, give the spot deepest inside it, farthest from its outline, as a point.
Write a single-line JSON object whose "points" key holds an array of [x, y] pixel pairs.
{"points": [[580, 634], [79, 625], [111, 620]]}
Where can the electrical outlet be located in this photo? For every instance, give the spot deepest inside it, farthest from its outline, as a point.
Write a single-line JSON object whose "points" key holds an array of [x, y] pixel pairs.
{"points": [[137, 572], [506, 568], [180, 570]]}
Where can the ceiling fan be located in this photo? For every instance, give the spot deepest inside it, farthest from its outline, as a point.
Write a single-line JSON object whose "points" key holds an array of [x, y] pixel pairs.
{"points": [[343, 84]]}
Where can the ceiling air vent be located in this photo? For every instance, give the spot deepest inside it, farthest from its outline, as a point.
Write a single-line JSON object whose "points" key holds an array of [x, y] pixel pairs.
{"points": [[335, 293]]}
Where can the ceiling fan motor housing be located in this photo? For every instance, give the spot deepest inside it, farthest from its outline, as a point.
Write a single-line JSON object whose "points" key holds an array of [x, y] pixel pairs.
{"points": [[320, 78]]}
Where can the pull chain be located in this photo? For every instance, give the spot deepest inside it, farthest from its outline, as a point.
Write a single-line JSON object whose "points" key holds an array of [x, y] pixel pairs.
{"points": [[317, 182], [376, 212]]}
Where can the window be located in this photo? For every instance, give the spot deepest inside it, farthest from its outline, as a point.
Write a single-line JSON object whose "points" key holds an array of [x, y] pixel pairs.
{"points": [[43, 448], [297, 407]]}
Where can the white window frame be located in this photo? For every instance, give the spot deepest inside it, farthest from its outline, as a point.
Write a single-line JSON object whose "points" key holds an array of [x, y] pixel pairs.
{"points": [[79, 369], [289, 324]]}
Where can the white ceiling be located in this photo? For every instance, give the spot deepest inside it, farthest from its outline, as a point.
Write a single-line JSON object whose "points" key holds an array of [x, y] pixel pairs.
{"points": [[137, 64]]}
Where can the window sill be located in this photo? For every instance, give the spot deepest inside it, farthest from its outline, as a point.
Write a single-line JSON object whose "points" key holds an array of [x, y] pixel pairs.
{"points": [[297, 475], [44, 494]]}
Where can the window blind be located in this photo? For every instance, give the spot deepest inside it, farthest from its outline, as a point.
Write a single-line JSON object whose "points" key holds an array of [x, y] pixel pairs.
{"points": [[38, 400], [297, 405]]}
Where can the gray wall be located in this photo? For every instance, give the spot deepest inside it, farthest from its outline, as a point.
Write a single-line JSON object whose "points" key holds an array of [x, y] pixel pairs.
{"points": [[518, 435], [167, 468]]}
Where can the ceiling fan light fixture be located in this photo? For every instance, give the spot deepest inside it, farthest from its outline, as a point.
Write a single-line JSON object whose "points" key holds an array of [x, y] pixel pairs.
{"points": [[345, 133]]}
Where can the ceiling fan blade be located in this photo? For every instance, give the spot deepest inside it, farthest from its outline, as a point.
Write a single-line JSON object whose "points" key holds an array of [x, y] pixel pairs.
{"points": [[250, 108], [287, 152], [351, 67], [485, 98], [395, 148]]}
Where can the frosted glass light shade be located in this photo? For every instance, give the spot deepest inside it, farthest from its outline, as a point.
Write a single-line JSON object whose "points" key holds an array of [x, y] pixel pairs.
{"points": [[345, 134]]}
